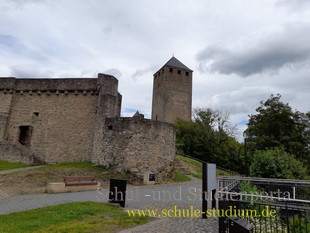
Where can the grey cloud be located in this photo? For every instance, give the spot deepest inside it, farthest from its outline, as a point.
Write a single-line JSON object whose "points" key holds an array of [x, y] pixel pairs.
{"points": [[13, 45], [115, 72], [212, 52], [7, 40], [26, 71], [244, 100], [19, 4], [247, 99], [288, 47], [141, 72], [294, 5]]}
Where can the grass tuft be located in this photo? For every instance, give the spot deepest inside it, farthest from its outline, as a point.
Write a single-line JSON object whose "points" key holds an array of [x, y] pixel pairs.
{"points": [[194, 167], [178, 176], [4, 165], [72, 217]]}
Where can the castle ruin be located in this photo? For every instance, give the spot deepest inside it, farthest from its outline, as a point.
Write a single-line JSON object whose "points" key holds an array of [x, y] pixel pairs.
{"points": [[78, 119]]}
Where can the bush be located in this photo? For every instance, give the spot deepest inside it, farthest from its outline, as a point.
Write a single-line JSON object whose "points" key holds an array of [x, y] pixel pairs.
{"points": [[276, 163]]}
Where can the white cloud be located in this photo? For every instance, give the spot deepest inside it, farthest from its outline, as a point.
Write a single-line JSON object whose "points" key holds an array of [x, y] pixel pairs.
{"points": [[133, 39]]}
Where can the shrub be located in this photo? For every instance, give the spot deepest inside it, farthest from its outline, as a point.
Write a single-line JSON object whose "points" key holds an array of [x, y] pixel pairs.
{"points": [[276, 163]]}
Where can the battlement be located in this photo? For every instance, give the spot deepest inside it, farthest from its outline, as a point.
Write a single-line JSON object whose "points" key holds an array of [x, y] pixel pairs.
{"points": [[53, 84], [42, 113], [78, 119], [135, 124]]}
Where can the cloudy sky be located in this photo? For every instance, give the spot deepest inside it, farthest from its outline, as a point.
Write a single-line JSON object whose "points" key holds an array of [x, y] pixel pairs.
{"points": [[241, 51]]}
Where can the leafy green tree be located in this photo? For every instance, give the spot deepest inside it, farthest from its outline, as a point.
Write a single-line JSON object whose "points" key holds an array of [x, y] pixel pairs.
{"points": [[276, 163], [209, 137], [276, 125]]}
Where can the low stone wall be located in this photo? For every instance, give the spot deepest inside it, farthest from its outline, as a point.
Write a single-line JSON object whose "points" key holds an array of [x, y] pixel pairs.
{"points": [[15, 152], [137, 145]]}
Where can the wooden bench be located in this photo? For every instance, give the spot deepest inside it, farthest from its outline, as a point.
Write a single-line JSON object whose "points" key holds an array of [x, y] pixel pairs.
{"points": [[80, 180]]}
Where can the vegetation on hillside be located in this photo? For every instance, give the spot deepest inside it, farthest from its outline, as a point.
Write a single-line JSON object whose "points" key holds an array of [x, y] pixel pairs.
{"points": [[276, 163], [210, 137], [193, 167], [274, 126]]}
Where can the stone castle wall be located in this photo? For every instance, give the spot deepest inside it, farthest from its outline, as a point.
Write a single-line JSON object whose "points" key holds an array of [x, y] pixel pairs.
{"points": [[5, 104], [138, 145], [15, 152], [63, 130], [67, 120], [62, 114]]}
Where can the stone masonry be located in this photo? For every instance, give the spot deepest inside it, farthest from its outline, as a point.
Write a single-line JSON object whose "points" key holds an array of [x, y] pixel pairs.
{"points": [[138, 145], [172, 92], [78, 119]]}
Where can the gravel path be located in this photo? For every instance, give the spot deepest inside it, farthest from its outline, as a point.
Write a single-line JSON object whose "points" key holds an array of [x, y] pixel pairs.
{"points": [[21, 169]]}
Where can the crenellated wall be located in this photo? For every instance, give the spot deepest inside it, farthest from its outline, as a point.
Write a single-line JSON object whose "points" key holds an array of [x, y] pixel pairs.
{"points": [[67, 120], [62, 114]]}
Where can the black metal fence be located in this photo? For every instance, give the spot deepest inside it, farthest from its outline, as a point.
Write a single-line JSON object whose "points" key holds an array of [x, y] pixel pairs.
{"points": [[265, 217], [267, 211]]}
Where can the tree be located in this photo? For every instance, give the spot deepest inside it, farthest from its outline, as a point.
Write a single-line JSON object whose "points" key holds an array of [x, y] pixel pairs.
{"points": [[276, 125], [276, 163], [209, 137], [216, 120]]}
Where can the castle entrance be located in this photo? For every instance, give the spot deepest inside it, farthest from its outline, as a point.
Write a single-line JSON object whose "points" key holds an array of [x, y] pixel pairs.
{"points": [[25, 133]]}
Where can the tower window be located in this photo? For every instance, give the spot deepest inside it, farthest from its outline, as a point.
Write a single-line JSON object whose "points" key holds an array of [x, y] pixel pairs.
{"points": [[36, 113], [186, 73], [158, 73], [171, 70], [179, 71]]}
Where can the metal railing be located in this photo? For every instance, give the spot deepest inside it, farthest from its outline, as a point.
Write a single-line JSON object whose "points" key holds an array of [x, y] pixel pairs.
{"points": [[291, 213], [295, 189], [267, 217]]}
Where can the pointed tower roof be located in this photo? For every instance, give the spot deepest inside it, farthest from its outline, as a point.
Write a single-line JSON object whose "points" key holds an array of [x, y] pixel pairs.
{"points": [[173, 62], [136, 114]]}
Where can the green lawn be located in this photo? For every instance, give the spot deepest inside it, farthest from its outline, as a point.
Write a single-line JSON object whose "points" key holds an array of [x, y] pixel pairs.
{"points": [[178, 176], [195, 167], [4, 165], [73, 217]]}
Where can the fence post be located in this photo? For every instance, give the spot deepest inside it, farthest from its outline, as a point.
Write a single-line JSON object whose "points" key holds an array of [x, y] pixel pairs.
{"points": [[204, 189]]}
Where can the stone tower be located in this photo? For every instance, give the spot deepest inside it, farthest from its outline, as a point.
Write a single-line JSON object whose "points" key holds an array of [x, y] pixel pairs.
{"points": [[172, 92]]}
